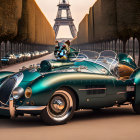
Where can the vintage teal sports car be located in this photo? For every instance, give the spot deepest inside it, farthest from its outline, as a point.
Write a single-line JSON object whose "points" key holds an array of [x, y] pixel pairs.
{"points": [[57, 89]]}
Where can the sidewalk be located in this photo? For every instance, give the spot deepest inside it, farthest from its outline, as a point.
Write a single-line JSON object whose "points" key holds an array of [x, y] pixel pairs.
{"points": [[16, 67]]}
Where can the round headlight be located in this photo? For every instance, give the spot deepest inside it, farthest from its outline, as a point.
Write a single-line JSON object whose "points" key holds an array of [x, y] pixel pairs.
{"points": [[18, 93], [28, 92]]}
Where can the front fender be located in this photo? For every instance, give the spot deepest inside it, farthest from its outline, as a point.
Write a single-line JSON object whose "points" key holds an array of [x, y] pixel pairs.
{"points": [[136, 77], [43, 88]]}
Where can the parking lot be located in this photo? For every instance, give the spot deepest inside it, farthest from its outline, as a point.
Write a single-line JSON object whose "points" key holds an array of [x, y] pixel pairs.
{"points": [[107, 124]]}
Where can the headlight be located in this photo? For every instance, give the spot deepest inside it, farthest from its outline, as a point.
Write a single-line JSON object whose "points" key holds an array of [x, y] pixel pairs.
{"points": [[18, 93], [28, 92]]}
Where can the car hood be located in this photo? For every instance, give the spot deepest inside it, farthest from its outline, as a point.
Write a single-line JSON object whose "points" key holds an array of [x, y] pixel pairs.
{"points": [[30, 75]]}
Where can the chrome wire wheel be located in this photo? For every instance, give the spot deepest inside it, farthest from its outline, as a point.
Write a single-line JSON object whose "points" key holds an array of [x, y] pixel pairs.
{"points": [[60, 108]]}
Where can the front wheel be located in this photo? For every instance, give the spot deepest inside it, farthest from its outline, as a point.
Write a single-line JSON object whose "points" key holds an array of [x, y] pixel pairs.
{"points": [[60, 108]]}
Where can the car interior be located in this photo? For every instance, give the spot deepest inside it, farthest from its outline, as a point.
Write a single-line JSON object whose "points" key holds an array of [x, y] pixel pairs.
{"points": [[124, 72]]}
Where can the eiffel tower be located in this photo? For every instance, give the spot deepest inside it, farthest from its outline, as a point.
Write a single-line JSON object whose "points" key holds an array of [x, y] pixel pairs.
{"points": [[64, 21]]}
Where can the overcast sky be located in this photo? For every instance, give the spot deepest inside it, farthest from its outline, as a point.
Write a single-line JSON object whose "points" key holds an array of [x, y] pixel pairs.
{"points": [[79, 9]]}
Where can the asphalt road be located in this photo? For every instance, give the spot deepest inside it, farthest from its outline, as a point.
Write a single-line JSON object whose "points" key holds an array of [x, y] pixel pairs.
{"points": [[107, 124]]}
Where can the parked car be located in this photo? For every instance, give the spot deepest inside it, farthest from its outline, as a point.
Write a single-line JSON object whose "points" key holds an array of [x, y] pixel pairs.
{"points": [[27, 56], [36, 54], [105, 80], [19, 57], [9, 59], [32, 55]]}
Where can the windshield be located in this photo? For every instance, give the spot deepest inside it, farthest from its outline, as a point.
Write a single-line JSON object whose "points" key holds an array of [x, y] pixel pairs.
{"points": [[108, 59], [87, 55], [109, 54], [91, 54]]}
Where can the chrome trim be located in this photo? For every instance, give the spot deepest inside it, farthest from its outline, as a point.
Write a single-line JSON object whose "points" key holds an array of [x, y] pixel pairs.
{"points": [[118, 93], [19, 77], [30, 108], [3, 107], [58, 105], [11, 90], [3, 103], [93, 89], [23, 108], [17, 93], [12, 109]]}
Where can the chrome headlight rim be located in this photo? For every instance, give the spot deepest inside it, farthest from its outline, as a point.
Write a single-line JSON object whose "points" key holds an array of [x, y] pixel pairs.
{"points": [[28, 93], [17, 93]]}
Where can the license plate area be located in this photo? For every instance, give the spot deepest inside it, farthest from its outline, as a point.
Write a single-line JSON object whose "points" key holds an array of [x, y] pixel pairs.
{"points": [[130, 88]]}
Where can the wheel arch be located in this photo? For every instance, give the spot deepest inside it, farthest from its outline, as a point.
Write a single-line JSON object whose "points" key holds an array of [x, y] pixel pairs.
{"points": [[75, 94]]}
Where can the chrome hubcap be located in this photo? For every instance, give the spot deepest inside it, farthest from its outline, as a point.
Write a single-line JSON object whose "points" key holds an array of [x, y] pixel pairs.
{"points": [[58, 104]]}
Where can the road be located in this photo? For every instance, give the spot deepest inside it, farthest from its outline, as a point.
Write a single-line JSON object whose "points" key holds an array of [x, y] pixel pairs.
{"points": [[107, 124], [16, 67]]}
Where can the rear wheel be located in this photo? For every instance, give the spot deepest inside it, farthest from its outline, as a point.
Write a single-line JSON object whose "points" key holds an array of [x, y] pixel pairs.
{"points": [[60, 108], [136, 108]]}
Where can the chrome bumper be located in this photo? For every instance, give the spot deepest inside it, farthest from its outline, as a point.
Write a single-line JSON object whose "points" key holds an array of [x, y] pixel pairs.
{"points": [[12, 108], [24, 109]]}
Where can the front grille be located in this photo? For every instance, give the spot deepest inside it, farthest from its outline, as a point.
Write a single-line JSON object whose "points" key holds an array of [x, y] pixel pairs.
{"points": [[6, 89]]}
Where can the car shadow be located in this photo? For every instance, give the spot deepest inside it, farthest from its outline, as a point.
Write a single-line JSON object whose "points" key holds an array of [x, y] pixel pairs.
{"points": [[103, 113], [28, 121]]}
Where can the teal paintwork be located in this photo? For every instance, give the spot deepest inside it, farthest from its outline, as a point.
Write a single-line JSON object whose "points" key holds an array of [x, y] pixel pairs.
{"points": [[5, 74], [47, 66], [44, 87], [127, 60], [30, 75], [93, 67]]}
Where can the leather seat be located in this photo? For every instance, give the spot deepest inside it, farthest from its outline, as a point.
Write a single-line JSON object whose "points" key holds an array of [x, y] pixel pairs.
{"points": [[124, 72]]}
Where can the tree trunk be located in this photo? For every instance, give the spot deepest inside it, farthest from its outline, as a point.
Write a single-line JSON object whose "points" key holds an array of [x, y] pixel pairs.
{"points": [[115, 45], [128, 47], [124, 46], [134, 48]]}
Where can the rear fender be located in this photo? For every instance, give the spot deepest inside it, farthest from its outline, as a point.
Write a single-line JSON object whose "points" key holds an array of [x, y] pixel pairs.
{"points": [[136, 77], [127, 60]]}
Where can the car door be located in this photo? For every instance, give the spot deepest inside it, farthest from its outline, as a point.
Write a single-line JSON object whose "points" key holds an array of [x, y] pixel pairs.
{"points": [[98, 91], [101, 92]]}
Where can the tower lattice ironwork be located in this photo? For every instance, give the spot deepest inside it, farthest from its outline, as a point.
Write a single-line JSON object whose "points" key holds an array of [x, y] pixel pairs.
{"points": [[64, 21]]}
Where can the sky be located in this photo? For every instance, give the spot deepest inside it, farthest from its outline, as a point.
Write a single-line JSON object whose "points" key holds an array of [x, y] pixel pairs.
{"points": [[79, 8]]}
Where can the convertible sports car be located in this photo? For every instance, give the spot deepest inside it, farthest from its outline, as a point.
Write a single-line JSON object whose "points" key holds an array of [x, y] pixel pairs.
{"points": [[56, 89]]}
